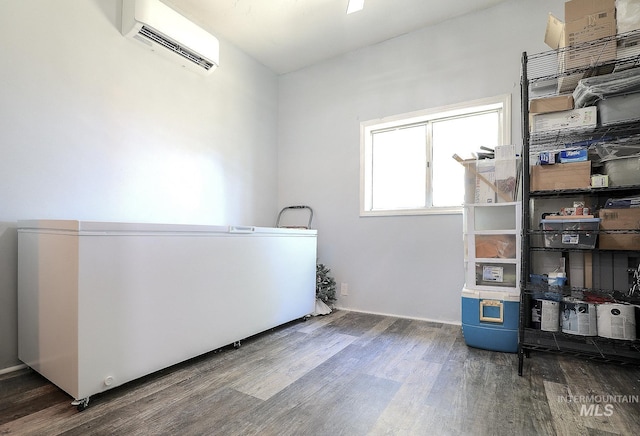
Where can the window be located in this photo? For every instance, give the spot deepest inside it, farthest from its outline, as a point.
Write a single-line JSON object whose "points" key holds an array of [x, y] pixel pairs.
{"points": [[406, 162]]}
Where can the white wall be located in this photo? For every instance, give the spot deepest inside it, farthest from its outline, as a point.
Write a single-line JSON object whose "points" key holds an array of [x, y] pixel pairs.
{"points": [[406, 266], [94, 127]]}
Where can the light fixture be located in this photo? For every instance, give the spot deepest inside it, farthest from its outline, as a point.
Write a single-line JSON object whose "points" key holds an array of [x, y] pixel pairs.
{"points": [[355, 6]]}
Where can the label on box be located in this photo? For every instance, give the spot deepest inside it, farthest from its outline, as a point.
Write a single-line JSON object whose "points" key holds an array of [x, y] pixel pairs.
{"points": [[570, 239], [599, 181], [492, 273]]}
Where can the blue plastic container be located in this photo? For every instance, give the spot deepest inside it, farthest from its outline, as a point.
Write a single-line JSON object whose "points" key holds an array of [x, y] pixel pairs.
{"points": [[490, 319]]}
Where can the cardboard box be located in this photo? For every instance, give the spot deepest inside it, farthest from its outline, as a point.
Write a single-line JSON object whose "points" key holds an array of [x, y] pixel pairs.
{"points": [[554, 33], [561, 176], [568, 156], [585, 29], [559, 34], [551, 104], [547, 158], [584, 21], [576, 9], [620, 219], [569, 82], [570, 37], [583, 118], [599, 181]]}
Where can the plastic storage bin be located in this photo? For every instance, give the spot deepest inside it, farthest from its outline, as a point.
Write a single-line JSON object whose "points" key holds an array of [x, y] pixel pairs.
{"points": [[619, 108], [623, 171], [490, 319], [579, 233]]}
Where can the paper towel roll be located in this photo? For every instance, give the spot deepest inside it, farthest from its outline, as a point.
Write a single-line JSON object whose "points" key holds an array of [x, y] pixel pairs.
{"points": [[579, 318], [617, 321], [545, 315]]}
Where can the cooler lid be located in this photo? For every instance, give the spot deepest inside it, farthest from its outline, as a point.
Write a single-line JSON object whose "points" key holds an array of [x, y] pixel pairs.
{"points": [[510, 295]]}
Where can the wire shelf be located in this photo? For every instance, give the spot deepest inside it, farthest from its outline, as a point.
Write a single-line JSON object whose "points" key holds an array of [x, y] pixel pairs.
{"points": [[603, 55], [553, 73], [556, 140]]}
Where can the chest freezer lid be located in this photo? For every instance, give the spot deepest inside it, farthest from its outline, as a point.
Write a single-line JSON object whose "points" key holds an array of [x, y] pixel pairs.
{"points": [[106, 227]]}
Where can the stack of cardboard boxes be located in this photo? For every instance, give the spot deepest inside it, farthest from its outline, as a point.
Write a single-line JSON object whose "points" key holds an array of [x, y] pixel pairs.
{"points": [[585, 21], [578, 57]]}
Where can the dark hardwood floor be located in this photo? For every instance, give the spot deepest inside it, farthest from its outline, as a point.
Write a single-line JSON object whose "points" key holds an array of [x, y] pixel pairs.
{"points": [[346, 373]]}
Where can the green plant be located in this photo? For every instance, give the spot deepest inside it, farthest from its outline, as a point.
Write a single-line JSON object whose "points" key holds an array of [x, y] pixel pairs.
{"points": [[325, 285]]}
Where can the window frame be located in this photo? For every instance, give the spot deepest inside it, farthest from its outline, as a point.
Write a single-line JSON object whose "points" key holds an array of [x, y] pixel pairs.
{"points": [[422, 117]]}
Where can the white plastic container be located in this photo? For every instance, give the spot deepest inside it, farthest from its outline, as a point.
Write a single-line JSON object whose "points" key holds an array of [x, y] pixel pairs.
{"points": [[619, 108], [623, 171], [580, 233]]}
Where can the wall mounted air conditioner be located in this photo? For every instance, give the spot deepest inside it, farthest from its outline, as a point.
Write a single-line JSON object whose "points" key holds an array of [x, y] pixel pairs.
{"points": [[168, 33]]}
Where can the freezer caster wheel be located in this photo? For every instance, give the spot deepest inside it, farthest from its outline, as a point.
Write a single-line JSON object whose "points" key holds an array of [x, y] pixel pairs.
{"points": [[236, 344], [81, 404]]}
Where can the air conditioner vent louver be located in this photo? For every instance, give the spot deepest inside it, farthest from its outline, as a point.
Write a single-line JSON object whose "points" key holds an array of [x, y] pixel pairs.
{"points": [[175, 47], [166, 32]]}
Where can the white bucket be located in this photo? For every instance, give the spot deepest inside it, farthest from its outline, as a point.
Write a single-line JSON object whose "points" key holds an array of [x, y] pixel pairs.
{"points": [[617, 321], [545, 315], [579, 318]]}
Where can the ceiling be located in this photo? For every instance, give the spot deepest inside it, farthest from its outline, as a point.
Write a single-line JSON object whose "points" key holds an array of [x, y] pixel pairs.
{"points": [[286, 35]]}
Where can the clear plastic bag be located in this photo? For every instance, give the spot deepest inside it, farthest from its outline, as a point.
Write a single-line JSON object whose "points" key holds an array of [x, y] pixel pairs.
{"points": [[590, 90]]}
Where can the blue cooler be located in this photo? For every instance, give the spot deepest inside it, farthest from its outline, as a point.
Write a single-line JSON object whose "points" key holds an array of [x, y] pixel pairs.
{"points": [[490, 319]]}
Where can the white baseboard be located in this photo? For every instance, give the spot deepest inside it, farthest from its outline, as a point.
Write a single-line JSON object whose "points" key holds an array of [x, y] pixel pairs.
{"points": [[347, 309], [12, 369]]}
